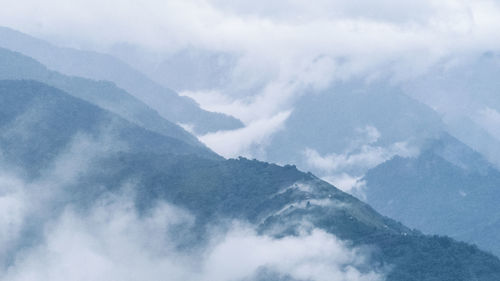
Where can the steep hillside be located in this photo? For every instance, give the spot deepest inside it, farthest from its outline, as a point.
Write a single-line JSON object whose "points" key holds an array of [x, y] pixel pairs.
{"points": [[104, 94], [39, 121], [352, 127], [465, 93], [448, 189], [98, 66]]}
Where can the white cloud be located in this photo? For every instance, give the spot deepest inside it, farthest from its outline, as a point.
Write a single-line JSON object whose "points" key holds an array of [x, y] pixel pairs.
{"points": [[44, 236], [274, 95], [361, 155], [13, 207], [366, 157], [489, 119], [248, 141], [24, 202], [284, 47], [347, 183], [315, 256], [111, 241], [345, 170], [188, 127]]}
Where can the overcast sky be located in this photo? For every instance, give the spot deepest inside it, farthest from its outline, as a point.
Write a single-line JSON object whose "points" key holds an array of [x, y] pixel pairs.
{"points": [[280, 32], [283, 46]]}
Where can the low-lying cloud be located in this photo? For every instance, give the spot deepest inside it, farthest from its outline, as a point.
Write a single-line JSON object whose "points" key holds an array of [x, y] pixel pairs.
{"points": [[354, 185], [46, 234], [112, 242], [282, 50], [363, 154], [489, 119], [366, 157], [345, 170], [282, 46], [249, 141]]}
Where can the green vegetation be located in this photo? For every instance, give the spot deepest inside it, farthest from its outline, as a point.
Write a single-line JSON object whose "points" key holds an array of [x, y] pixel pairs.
{"points": [[276, 199]]}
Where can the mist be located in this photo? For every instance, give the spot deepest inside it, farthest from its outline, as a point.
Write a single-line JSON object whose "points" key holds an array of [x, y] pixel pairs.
{"points": [[126, 131], [48, 233], [274, 53], [111, 240]]}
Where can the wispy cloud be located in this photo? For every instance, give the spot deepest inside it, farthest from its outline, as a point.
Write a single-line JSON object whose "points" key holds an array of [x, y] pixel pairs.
{"points": [[45, 233], [112, 241], [345, 170], [363, 154], [489, 119], [354, 185], [249, 141], [283, 48]]}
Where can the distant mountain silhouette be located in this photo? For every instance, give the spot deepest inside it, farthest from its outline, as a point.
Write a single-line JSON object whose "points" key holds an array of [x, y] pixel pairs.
{"points": [[98, 66], [449, 189], [38, 121]]}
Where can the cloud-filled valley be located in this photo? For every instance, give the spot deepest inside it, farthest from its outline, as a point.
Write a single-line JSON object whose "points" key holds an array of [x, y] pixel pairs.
{"points": [[111, 241], [46, 234], [234, 140]]}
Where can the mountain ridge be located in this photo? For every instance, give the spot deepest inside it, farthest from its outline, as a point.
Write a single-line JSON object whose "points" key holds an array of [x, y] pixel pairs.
{"points": [[102, 93], [278, 199], [440, 194], [97, 66]]}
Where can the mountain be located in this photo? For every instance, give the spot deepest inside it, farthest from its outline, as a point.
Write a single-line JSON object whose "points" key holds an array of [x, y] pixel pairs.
{"points": [[352, 120], [98, 66], [449, 189], [465, 92], [190, 69], [104, 94], [38, 122]]}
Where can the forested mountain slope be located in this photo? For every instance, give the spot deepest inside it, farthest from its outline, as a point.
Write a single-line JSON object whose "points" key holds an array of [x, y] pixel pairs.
{"points": [[39, 123], [448, 189]]}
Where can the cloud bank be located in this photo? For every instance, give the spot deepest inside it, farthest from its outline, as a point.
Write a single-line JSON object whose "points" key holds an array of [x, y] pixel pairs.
{"points": [[45, 233], [345, 170], [281, 46], [489, 119], [249, 141], [282, 49], [112, 241]]}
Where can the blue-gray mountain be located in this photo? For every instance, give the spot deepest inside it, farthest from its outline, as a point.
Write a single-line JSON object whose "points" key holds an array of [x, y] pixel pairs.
{"points": [[465, 94], [104, 94], [38, 121], [448, 189], [330, 122], [98, 66], [190, 69]]}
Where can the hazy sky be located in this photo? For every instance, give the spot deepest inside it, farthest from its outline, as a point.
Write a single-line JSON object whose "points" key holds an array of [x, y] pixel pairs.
{"points": [[274, 33], [283, 47]]}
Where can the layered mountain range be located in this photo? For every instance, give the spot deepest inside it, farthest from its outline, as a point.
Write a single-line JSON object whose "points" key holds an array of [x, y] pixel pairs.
{"points": [[448, 189], [98, 66], [279, 201], [73, 140]]}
